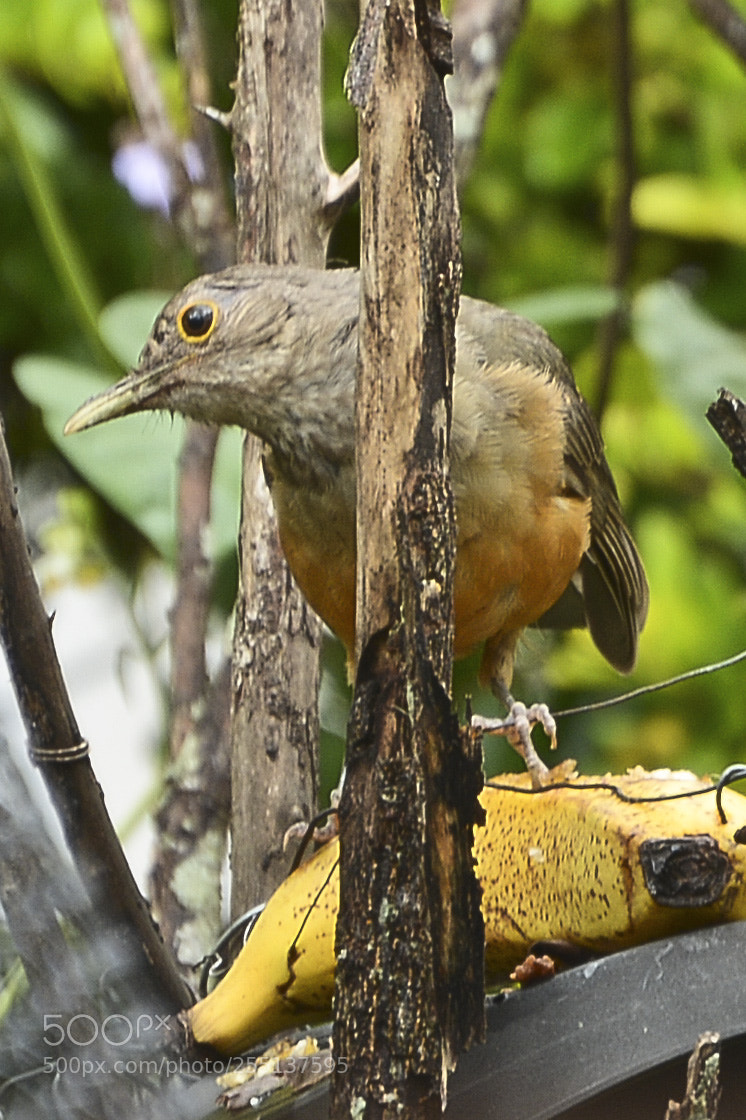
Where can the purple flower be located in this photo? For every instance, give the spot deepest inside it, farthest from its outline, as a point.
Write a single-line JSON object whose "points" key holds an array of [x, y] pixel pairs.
{"points": [[143, 171]]}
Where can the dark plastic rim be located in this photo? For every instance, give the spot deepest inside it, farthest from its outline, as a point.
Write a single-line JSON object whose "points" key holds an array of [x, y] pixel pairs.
{"points": [[620, 1027]]}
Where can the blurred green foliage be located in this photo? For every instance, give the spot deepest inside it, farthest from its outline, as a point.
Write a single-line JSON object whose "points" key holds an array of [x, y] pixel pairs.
{"points": [[83, 269]]}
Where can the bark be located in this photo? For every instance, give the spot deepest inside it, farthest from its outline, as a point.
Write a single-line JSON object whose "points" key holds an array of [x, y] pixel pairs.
{"points": [[281, 191], [409, 990], [703, 1089], [727, 415]]}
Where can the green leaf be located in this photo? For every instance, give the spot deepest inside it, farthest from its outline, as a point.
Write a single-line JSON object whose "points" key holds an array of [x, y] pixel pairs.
{"points": [[572, 304], [65, 253], [133, 461], [687, 206], [127, 320], [694, 354]]}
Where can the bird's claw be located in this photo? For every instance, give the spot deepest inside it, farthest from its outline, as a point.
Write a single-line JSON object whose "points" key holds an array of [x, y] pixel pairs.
{"points": [[516, 727], [321, 833]]}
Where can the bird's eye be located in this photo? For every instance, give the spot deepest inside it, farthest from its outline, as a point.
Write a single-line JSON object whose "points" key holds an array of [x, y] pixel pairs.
{"points": [[196, 321]]}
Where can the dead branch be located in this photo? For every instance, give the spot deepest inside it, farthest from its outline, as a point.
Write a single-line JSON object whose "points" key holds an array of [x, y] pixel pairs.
{"points": [[702, 1082], [409, 933], [61, 754], [282, 186]]}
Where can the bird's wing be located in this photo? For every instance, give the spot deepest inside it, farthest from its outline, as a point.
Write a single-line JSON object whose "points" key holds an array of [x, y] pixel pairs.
{"points": [[611, 576], [615, 589]]}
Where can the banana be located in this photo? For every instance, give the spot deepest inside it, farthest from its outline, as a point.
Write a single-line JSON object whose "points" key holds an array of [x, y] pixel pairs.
{"points": [[591, 861], [286, 977]]}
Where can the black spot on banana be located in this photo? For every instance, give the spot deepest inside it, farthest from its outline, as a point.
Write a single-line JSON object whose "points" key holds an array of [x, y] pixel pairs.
{"points": [[594, 862]]}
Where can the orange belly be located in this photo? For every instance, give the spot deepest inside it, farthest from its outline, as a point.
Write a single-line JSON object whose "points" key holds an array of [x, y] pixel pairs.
{"points": [[505, 580]]}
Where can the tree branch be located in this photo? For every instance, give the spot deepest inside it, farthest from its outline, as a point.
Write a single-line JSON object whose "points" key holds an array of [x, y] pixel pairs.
{"points": [[200, 212], [622, 232], [216, 248], [727, 23], [409, 933], [61, 755], [282, 185]]}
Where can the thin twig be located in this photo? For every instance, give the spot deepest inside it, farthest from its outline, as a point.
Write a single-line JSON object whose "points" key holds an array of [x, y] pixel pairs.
{"points": [[147, 98], [215, 245], [197, 203], [61, 755], [727, 23], [622, 236]]}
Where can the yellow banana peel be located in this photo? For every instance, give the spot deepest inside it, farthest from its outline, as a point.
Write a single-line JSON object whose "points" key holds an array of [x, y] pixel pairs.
{"points": [[593, 862]]}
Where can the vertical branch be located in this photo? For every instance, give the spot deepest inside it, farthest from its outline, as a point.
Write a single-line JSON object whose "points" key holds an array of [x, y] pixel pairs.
{"points": [[281, 189], [409, 933], [208, 192], [191, 608], [192, 828], [60, 753], [200, 212], [151, 110], [622, 232]]}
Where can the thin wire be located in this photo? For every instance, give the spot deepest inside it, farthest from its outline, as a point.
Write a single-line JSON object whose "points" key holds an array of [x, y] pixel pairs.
{"points": [[733, 773], [646, 689], [581, 784], [736, 772]]}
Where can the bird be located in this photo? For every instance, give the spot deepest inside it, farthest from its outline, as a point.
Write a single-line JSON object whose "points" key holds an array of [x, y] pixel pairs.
{"points": [[541, 538]]}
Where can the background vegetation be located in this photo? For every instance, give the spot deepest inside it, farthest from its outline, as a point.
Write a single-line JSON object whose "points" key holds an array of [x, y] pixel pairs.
{"points": [[84, 267]]}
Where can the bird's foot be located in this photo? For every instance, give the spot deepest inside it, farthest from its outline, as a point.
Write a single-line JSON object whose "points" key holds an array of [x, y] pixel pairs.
{"points": [[322, 834], [516, 727]]}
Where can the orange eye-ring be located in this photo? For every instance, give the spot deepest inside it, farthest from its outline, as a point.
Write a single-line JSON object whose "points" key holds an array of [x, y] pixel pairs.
{"points": [[198, 320]]}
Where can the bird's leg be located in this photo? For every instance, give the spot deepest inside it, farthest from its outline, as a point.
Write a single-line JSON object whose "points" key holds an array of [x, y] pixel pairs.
{"points": [[497, 671], [517, 726]]}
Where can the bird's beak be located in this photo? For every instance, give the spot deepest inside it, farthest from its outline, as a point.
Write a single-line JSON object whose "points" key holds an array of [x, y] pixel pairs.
{"points": [[134, 393]]}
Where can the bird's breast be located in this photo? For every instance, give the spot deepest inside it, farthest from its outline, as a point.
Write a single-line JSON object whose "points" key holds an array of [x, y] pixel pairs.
{"points": [[520, 535], [317, 533]]}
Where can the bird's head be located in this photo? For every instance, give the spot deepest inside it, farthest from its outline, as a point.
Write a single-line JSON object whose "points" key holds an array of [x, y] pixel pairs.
{"points": [[244, 346]]}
